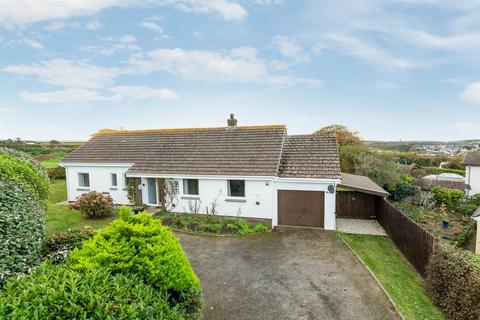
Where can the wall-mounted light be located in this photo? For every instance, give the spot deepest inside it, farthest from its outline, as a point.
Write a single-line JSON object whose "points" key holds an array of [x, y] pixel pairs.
{"points": [[331, 188]]}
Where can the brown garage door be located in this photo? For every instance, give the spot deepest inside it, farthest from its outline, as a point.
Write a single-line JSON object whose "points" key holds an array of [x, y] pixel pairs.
{"points": [[301, 208]]}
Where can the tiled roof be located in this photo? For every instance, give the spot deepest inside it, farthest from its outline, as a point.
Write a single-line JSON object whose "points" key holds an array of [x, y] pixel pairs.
{"points": [[472, 158], [238, 151], [249, 151], [310, 156]]}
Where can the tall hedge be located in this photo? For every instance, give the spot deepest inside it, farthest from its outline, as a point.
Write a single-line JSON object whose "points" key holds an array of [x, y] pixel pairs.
{"points": [[21, 229], [453, 282], [23, 199], [59, 292]]}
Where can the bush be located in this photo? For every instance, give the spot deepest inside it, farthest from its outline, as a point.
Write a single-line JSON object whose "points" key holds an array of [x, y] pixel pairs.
{"points": [[140, 245], [95, 204], [24, 157], [435, 170], [450, 197], [475, 200], [56, 173], [58, 292], [453, 282], [22, 222], [465, 235], [261, 228], [57, 247], [25, 174], [404, 189], [469, 209]]}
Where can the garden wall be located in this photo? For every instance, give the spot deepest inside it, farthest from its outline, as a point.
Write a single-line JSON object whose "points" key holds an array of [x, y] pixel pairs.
{"points": [[416, 244]]}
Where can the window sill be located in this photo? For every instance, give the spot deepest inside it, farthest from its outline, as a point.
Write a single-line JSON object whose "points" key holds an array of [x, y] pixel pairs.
{"points": [[113, 188], [190, 197], [236, 199], [83, 189]]}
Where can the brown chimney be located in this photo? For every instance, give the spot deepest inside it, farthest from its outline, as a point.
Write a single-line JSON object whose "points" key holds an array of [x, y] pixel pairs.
{"points": [[232, 122]]}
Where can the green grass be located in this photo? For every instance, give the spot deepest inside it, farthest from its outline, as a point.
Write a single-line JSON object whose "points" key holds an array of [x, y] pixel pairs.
{"points": [[55, 158], [60, 217], [403, 284]]}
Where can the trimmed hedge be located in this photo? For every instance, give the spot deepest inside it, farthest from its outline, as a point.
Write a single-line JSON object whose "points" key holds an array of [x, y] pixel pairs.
{"points": [[139, 244], [22, 222], [58, 292], [25, 174], [24, 157], [56, 173], [453, 282]]}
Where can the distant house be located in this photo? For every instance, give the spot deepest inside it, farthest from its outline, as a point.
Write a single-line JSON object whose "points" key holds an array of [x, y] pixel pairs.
{"points": [[472, 172]]}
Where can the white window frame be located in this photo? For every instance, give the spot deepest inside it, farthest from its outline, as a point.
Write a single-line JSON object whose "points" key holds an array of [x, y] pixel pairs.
{"points": [[80, 187], [112, 186]]}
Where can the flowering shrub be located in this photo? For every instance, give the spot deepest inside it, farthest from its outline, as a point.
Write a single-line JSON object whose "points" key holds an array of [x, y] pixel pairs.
{"points": [[95, 204]]}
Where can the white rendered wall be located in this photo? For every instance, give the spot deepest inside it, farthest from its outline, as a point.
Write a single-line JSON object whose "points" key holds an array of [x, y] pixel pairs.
{"points": [[100, 181], [212, 189], [285, 184], [472, 177]]}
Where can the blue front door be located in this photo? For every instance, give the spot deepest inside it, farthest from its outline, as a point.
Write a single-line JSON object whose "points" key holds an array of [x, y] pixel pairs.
{"points": [[152, 191]]}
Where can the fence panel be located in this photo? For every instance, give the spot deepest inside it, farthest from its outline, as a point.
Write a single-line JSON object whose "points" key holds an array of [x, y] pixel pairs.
{"points": [[416, 244]]}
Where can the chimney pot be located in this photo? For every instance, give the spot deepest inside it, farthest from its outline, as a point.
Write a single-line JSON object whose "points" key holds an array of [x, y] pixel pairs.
{"points": [[232, 122]]}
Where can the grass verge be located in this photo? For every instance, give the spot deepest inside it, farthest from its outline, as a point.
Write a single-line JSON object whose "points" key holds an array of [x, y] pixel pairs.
{"points": [[60, 217], [402, 283]]}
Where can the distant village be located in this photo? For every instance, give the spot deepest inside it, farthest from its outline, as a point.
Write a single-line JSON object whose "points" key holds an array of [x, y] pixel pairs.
{"points": [[448, 149]]}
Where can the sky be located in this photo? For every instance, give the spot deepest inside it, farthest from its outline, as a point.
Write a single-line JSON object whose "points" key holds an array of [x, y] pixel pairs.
{"points": [[392, 70]]}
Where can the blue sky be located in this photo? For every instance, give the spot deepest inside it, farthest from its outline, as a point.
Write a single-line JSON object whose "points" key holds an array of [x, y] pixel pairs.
{"points": [[399, 69]]}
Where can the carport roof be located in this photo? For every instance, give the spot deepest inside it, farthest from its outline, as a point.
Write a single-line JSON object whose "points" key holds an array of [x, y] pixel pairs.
{"points": [[362, 184]]}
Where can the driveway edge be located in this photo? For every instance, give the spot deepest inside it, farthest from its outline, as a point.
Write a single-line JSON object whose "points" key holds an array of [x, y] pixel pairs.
{"points": [[373, 275]]}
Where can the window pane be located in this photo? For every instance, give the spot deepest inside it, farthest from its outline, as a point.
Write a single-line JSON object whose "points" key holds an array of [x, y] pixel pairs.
{"points": [[236, 188], [190, 186], [83, 180], [114, 179]]}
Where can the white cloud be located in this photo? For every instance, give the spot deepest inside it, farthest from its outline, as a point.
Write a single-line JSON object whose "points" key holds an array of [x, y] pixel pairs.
{"points": [[197, 34], [238, 65], [70, 95], [268, 2], [12, 14], [471, 94], [59, 25], [141, 93], [5, 109], [32, 43], [112, 45], [290, 49], [358, 48], [66, 73], [120, 93], [93, 25], [152, 26]]}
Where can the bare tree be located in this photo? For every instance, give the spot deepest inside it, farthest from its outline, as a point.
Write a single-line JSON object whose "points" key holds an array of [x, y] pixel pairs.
{"points": [[194, 206], [167, 194], [213, 206]]}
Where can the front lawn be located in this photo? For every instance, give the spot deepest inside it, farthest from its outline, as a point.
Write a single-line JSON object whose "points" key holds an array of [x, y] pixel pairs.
{"points": [[60, 217], [210, 224], [403, 284]]}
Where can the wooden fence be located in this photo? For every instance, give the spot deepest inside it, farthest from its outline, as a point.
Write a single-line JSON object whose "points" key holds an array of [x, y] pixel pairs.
{"points": [[416, 244]]}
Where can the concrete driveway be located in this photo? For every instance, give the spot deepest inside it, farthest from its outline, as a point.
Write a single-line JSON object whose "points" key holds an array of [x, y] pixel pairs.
{"points": [[287, 274]]}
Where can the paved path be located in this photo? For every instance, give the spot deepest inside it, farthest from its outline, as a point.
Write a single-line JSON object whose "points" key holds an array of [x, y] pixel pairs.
{"points": [[360, 226], [287, 274]]}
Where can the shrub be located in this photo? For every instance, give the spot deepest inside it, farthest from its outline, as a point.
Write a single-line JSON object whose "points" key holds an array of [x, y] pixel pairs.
{"points": [[58, 292], [261, 228], [95, 204], [469, 209], [453, 282], [475, 199], [56, 173], [465, 235], [140, 245], [58, 246], [25, 174], [24, 157], [404, 189], [22, 222], [450, 197]]}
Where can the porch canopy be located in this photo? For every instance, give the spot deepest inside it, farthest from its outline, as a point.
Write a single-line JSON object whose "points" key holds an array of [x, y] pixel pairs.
{"points": [[362, 184]]}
